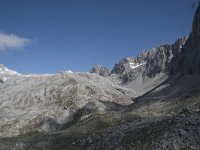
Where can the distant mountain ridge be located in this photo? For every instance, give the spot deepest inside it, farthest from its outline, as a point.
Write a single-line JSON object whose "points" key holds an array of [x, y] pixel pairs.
{"points": [[148, 70], [154, 61]]}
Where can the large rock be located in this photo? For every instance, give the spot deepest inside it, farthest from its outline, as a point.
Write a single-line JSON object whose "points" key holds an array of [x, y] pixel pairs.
{"points": [[102, 71]]}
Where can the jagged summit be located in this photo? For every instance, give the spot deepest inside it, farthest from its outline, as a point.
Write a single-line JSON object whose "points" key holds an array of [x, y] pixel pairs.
{"points": [[125, 65], [102, 71], [149, 63], [155, 60], [5, 70], [6, 73]]}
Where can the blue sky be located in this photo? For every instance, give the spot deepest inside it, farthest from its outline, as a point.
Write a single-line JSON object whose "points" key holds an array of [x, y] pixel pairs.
{"points": [[48, 36]]}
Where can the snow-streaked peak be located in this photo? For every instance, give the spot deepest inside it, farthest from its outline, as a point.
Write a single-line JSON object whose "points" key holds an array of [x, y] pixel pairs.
{"points": [[6, 74], [69, 71], [5, 70], [135, 65]]}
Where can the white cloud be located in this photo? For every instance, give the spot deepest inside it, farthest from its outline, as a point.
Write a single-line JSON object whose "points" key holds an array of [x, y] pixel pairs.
{"points": [[11, 42]]}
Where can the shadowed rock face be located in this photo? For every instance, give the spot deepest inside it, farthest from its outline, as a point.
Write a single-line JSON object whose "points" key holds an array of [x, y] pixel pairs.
{"points": [[188, 62], [102, 71]]}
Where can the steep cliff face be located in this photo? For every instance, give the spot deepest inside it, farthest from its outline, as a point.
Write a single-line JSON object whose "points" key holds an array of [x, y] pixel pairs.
{"points": [[158, 60], [188, 61], [191, 64]]}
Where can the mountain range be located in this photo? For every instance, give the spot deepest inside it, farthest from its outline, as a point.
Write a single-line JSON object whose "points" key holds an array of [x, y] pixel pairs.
{"points": [[148, 102]]}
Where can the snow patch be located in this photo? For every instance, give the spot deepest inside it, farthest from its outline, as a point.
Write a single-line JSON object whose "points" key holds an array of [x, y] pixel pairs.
{"points": [[69, 71], [4, 70], [135, 65]]}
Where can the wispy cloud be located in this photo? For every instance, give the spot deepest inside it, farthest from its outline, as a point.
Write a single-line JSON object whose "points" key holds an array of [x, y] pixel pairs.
{"points": [[12, 42]]}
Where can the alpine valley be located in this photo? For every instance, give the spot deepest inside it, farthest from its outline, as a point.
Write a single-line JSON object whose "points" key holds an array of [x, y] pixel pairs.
{"points": [[148, 102]]}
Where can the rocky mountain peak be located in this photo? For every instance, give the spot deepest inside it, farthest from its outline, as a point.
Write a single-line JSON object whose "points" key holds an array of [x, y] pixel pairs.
{"points": [[5, 70], [154, 61], [125, 65], [102, 71], [6, 73]]}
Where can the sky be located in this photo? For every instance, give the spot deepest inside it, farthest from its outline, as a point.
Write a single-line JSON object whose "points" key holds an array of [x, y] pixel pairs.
{"points": [[49, 36]]}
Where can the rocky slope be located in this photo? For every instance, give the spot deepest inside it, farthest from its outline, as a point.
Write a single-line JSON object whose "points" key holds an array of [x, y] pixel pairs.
{"points": [[167, 118], [48, 102]]}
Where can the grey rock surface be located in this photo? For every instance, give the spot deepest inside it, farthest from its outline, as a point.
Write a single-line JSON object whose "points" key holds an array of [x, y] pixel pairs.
{"points": [[102, 71], [167, 118], [155, 60], [47, 102], [158, 60], [124, 65]]}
